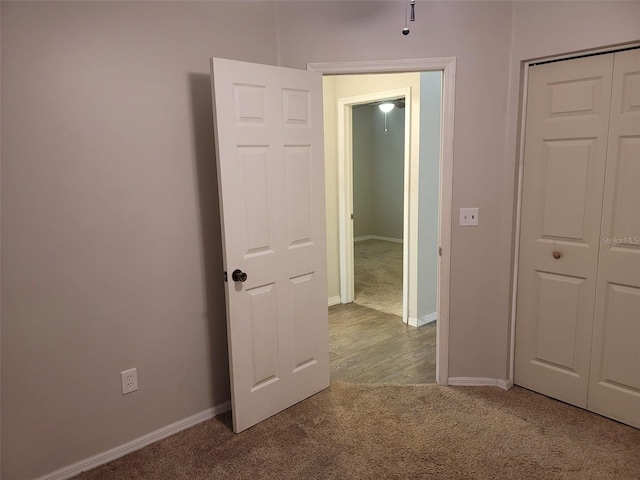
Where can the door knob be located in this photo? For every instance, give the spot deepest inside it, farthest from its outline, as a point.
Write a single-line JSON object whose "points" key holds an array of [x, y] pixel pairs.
{"points": [[556, 255], [238, 276]]}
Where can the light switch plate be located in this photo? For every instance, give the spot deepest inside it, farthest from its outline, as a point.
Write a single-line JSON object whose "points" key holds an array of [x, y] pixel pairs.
{"points": [[469, 217]]}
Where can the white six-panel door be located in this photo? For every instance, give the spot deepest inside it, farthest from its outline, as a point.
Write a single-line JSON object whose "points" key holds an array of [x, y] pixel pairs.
{"points": [[578, 302], [615, 367], [564, 166], [269, 146]]}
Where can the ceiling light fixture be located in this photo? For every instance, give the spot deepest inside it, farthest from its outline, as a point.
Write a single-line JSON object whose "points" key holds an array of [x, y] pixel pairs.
{"points": [[386, 108]]}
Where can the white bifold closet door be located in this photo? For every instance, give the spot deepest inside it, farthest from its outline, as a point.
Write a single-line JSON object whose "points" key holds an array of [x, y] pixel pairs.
{"points": [[614, 387], [578, 302]]}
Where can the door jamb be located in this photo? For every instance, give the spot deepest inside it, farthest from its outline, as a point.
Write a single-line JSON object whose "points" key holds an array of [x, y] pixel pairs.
{"points": [[448, 66], [345, 192]]}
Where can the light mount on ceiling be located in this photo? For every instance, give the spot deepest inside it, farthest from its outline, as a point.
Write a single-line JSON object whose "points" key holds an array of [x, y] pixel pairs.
{"points": [[412, 15]]}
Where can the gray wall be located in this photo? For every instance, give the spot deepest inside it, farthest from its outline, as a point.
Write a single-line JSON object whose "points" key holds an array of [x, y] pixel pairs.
{"points": [[111, 254], [363, 168], [388, 200], [378, 172], [430, 115]]}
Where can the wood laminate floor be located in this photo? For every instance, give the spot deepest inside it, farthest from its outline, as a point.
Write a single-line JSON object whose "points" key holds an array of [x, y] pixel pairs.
{"points": [[368, 346]]}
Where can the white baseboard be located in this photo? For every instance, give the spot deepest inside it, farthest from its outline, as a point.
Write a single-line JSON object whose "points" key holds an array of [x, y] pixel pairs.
{"points": [[334, 300], [505, 384], [120, 451], [387, 239], [480, 382], [418, 322], [363, 238]]}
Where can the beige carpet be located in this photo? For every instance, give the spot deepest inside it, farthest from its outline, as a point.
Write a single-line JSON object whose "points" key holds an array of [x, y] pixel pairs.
{"points": [[378, 275], [353, 431]]}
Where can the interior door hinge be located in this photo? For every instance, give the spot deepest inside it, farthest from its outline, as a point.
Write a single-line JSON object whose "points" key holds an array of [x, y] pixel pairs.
{"points": [[225, 277], [440, 251], [352, 216]]}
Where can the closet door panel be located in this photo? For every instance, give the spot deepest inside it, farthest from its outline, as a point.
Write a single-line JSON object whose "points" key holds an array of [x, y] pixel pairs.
{"points": [[565, 149], [615, 371]]}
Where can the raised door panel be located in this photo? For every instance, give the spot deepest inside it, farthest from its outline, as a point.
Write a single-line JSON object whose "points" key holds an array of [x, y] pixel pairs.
{"points": [[263, 335], [565, 189], [564, 166], [557, 316], [615, 371], [255, 200]]}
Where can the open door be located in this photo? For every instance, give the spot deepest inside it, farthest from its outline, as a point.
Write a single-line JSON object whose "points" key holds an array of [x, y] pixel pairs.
{"points": [[270, 159]]}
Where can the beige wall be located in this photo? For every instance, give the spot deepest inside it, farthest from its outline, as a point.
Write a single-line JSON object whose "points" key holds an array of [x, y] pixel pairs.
{"points": [[110, 236], [111, 255], [331, 186]]}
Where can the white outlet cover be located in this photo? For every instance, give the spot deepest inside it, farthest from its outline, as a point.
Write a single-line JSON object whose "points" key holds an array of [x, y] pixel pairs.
{"points": [[469, 217], [129, 380]]}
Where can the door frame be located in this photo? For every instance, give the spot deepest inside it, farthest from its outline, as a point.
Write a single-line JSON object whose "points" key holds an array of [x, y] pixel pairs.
{"points": [[522, 128], [345, 195], [447, 65]]}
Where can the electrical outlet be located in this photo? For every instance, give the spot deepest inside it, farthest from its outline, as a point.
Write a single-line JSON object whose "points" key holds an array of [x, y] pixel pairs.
{"points": [[468, 217], [129, 381]]}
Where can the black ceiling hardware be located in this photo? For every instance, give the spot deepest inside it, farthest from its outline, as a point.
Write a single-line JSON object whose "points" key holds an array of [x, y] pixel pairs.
{"points": [[412, 16]]}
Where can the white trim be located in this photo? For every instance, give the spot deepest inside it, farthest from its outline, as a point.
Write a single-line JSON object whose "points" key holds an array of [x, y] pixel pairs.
{"points": [[418, 322], [387, 239], [345, 204], [410, 213], [480, 382], [334, 300], [363, 238], [382, 66], [516, 251], [448, 66], [505, 384], [444, 232], [122, 450]]}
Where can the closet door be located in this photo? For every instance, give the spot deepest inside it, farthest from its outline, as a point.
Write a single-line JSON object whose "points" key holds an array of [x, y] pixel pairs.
{"points": [[564, 165], [615, 369]]}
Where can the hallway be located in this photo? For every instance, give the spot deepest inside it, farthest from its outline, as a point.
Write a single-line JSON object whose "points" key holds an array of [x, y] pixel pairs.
{"points": [[369, 346]]}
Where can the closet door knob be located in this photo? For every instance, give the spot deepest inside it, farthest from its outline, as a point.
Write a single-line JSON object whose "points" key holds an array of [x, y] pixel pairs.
{"points": [[556, 255]]}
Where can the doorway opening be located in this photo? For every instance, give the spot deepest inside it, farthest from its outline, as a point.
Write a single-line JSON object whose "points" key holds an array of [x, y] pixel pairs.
{"points": [[415, 251], [379, 144], [374, 182]]}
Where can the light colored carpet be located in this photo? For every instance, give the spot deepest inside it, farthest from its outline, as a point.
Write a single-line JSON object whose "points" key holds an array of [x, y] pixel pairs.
{"points": [[378, 275], [353, 431]]}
